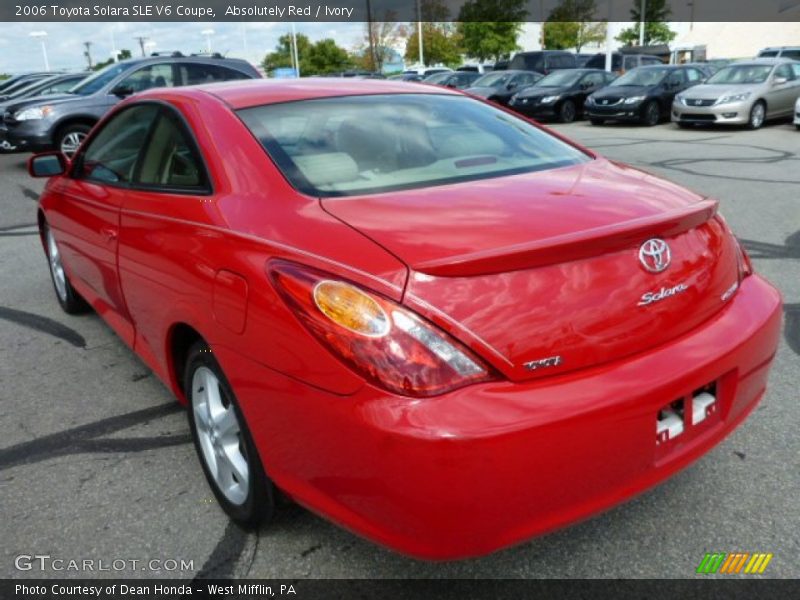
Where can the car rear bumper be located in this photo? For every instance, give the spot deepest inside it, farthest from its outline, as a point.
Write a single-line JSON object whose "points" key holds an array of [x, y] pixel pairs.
{"points": [[494, 464], [727, 114]]}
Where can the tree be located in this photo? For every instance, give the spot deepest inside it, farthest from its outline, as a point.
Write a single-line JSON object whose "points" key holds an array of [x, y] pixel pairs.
{"points": [[318, 58], [379, 38], [441, 45], [571, 25], [123, 55], [482, 36], [656, 30]]}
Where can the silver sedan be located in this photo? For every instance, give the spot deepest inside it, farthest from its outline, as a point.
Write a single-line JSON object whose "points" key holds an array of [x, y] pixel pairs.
{"points": [[744, 93]]}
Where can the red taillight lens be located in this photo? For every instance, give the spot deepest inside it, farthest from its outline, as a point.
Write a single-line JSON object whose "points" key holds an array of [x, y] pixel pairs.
{"points": [[381, 340], [745, 266]]}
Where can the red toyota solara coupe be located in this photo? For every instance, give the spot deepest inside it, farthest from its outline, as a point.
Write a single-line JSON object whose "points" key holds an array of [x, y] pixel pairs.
{"points": [[436, 323]]}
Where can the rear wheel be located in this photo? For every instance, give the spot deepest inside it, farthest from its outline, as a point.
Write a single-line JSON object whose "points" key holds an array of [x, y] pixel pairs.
{"points": [[69, 300], [651, 114], [597, 121], [70, 138], [566, 112], [757, 115], [223, 442]]}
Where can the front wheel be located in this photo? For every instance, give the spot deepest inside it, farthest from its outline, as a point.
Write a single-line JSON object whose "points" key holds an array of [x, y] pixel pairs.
{"points": [[70, 301], [651, 114], [757, 115], [223, 442], [71, 137], [567, 111]]}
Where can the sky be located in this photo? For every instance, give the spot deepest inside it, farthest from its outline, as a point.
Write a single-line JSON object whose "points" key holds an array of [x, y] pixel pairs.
{"points": [[64, 41]]}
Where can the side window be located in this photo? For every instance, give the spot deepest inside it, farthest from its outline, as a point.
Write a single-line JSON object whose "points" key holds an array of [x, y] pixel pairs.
{"points": [[593, 80], [796, 68], [170, 161], [631, 62], [153, 76], [675, 78], [197, 73], [694, 75], [785, 71], [793, 54], [111, 155]]}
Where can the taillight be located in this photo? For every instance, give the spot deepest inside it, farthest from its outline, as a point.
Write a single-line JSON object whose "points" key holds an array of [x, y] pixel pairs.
{"points": [[745, 265], [381, 340]]}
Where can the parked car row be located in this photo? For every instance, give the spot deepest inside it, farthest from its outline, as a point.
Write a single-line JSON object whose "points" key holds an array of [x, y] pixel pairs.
{"points": [[742, 93]]}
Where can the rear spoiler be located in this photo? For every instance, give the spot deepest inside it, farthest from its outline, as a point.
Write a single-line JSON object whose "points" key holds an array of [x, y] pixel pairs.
{"points": [[572, 246]]}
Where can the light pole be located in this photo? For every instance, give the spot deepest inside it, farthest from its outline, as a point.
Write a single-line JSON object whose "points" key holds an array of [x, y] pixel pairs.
{"points": [[208, 33], [294, 51], [419, 35], [41, 35], [641, 22]]}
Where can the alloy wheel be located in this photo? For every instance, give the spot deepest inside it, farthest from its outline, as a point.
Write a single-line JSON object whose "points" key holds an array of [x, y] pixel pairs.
{"points": [[220, 436], [757, 115], [71, 142], [56, 268]]}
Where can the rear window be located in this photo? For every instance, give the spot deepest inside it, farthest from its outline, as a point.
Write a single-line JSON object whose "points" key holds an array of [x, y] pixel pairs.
{"points": [[325, 147]]}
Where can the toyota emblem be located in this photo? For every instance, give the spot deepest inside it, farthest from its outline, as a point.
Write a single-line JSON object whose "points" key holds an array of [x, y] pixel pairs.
{"points": [[654, 255]]}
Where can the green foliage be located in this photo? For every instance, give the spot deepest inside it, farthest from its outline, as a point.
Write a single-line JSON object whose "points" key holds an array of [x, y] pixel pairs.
{"points": [[571, 25], [123, 54], [656, 30], [318, 58], [442, 45], [481, 36]]}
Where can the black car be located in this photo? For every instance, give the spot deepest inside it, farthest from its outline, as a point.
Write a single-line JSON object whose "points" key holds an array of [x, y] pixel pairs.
{"points": [[458, 79], [499, 86], [63, 121], [561, 94], [643, 95], [543, 61]]}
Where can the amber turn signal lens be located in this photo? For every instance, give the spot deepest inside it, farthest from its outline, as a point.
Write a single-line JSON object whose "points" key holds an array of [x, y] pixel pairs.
{"points": [[351, 308]]}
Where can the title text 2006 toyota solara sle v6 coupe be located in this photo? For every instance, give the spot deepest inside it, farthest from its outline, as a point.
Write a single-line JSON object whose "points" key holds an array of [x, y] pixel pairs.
{"points": [[428, 319]]}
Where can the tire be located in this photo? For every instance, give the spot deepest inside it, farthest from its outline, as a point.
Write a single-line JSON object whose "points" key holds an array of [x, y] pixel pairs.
{"points": [[758, 114], [70, 137], [597, 121], [567, 112], [651, 114], [70, 301], [223, 442]]}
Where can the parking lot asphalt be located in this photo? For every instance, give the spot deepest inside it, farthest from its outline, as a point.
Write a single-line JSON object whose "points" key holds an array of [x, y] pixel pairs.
{"points": [[96, 460]]}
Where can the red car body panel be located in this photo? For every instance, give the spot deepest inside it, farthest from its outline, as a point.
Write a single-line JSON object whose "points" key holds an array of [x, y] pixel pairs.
{"points": [[474, 469]]}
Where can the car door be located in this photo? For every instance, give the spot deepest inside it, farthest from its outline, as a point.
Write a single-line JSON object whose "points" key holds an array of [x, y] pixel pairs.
{"points": [[782, 91], [86, 217], [162, 262]]}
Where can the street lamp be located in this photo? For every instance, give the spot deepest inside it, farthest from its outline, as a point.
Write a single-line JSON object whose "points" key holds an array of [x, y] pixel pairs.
{"points": [[208, 33], [41, 35]]}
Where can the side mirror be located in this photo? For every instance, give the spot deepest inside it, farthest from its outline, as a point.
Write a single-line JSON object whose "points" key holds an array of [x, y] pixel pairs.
{"points": [[48, 164], [779, 81], [122, 91]]}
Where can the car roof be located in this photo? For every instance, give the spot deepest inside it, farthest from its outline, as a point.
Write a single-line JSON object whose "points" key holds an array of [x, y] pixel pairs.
{"points": [[255, 92], [769, 60]]}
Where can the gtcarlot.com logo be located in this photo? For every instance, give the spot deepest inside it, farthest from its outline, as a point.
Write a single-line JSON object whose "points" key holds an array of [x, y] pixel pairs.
{"points": [[734, 563], [45, 562]]}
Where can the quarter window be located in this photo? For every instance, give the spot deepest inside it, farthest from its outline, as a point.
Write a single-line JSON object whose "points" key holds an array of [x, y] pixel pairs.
{"points": [[170, 161], [111, 155], [198, 73]]}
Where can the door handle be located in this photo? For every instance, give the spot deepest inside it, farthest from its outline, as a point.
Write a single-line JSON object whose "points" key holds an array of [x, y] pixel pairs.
{"points": [[109, 233]]}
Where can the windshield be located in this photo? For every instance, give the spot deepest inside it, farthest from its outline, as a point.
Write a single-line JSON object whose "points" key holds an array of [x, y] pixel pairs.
{"points": [[99, 80], [741, 74], [437, 77], [492, 79], [324, 147], [559, 78], [645, 77]]}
